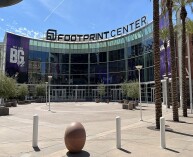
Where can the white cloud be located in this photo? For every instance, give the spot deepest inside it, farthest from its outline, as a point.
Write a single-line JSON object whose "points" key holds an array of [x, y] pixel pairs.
{"points": [[24, 31], [2, 19], [29, 33]]}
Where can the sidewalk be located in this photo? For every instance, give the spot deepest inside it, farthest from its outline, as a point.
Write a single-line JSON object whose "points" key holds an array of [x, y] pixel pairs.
{"points": [[139, 138]]}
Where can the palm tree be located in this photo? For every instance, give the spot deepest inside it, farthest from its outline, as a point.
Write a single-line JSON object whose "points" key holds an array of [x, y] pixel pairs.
{"points": [[189, 26], [169, 5], [158, 106], [181, 4], [164, 34]]}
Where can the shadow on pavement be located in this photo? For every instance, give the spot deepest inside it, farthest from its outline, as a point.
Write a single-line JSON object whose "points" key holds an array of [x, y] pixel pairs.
{"points": [[36, 149], [172, 150], [179, 121], [180, 133], [155, 129], [80, 154], [124, 150]]}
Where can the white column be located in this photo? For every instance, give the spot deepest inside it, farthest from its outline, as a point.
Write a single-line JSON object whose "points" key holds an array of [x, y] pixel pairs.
{"points": [[49, 95], [46, 92], [162, 133], [35, 131], [140, 96], [190, 73], [118, 132]]}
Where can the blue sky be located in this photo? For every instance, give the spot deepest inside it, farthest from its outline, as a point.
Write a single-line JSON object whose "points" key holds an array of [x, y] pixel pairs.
{"points": [[33, 17]]}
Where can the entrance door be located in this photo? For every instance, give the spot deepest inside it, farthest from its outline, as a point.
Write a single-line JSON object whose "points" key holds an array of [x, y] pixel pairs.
{"points": [[116, 94], [94, 93], [153, 94], [58, 94], [79, 94]]}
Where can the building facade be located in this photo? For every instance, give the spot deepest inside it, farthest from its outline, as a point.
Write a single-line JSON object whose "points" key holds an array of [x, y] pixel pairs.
{"points": [[78, 67]]}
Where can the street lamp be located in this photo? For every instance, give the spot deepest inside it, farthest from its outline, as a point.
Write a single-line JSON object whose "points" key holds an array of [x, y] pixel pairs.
{"points": [[166, 81], [139, 67], [76, 94], [6, 3], [49, 81], [46, 92]]}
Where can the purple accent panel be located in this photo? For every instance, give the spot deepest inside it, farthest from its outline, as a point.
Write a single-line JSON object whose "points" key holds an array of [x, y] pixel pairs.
{"points": [[164, 22], [17, 51]]}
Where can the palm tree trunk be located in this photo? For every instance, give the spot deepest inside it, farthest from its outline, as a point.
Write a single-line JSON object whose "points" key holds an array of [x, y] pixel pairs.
{"points": [[183, 15], [158, 106], [167, 81], [173, 66]]}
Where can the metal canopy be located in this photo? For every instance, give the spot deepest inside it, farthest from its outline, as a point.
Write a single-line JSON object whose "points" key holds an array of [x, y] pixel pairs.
{"points": [[5, 3]]}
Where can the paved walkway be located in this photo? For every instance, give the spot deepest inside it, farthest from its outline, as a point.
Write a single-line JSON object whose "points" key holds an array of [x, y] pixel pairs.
{"points": [[139, 138]]}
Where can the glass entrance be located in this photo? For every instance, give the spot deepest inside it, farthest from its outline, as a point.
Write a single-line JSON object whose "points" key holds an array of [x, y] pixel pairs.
{"points": [[58, 94], [79, 94], [116, 94]]}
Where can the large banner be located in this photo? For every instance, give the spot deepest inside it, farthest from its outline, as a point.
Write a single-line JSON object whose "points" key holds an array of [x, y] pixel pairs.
{"points": [[17, 51], [164, 23]]}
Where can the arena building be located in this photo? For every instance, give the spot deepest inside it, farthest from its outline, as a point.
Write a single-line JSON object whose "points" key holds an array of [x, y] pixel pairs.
{"points": [[78, 66]]}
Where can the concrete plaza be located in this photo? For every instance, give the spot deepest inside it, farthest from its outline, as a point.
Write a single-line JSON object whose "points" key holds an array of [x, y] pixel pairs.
{"points": [[139, 138]]}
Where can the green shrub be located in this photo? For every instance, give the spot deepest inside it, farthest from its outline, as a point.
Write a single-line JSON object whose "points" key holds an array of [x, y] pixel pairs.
{"points": [[130, 89], [40, 90], [7, 87], [133, 89], [101, 89], [22, 91]]}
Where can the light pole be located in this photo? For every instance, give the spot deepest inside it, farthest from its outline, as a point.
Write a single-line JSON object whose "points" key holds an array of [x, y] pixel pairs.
{"points": [[46, 92], [49, 82], [190, 76], [76, 94], [166, 81], [139, 67], [6, 3]]}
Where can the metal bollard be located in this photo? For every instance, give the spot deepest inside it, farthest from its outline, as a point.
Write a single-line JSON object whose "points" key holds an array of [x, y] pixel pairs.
{"points": [[35, 131], [118, 132], [162, 133]]}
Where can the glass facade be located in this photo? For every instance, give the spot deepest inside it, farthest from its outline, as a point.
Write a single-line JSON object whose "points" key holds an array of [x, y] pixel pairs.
{"points": [[111, 61], [85, 64]]}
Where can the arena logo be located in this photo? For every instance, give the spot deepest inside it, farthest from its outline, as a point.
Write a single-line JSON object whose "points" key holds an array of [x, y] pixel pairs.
{"points": [[52, 33], [17, 56]]}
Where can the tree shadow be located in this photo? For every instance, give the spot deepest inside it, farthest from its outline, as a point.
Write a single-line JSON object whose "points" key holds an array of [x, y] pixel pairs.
{"points": [[80, 154], [124, 150], [155, 129], [179, 122], [180, 133]]}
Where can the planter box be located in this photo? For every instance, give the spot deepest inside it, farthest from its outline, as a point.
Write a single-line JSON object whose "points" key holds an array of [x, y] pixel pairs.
{"points": [[97, 100], [131, 105], [124, 106], [21, 102], [27, 101], [8, 104], [107, 100], [14, 103], [125, 101], [4, 111]]}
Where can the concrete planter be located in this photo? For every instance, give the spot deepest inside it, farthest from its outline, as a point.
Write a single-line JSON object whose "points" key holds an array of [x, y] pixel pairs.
{"points": [[8, 104], [97, 100], [14, 103], [4, 111], [21, 102]]}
